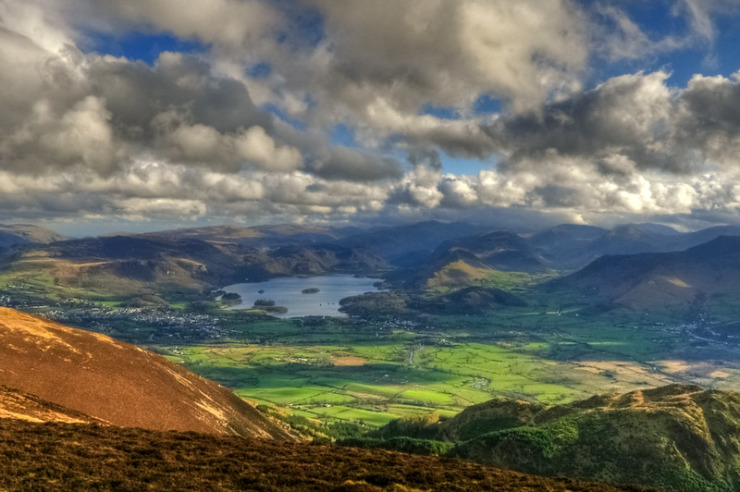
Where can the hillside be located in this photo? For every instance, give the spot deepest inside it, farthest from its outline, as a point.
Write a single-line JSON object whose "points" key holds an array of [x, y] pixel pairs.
{"points": [[320, 259], [267, 235], [117, 382], [406, 245], [488, 259], [16, 404], [570, 246], [173, 263], [677, 437], [17, 234], [84, 457], [651, 280]]}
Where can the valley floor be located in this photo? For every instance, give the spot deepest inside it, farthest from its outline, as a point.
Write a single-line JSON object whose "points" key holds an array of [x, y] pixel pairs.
{"points": [[374, 372]]}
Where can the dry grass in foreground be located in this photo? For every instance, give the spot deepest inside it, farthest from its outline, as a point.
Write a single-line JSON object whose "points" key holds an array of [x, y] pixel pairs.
{"points": [[58, 456]]}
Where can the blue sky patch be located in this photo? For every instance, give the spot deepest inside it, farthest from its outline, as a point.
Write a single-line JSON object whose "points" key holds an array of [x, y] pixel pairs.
{"points": [[136, 45], [344, 135], [442, 113], [461, 165]]}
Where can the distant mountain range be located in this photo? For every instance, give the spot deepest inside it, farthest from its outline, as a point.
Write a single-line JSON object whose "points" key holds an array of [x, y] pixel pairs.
{"points": [[188, 260], [416, 257]]}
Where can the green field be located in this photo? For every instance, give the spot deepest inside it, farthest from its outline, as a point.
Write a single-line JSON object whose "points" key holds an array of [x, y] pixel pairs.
{"points": [[337, 370]]}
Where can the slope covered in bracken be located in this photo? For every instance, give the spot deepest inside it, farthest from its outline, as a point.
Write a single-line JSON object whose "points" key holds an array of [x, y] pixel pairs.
{"points": [[58, 456], [118, 383]]}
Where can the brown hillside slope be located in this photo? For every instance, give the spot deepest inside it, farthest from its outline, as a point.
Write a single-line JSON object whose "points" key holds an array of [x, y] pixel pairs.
{"points": [[117, 382], [16, 404], [88, 457]]}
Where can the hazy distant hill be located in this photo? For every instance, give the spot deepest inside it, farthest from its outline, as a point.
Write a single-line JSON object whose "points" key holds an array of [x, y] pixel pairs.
{"points": [[320, 259], [572, 246], [499, 250], [676, 437], [409, 244], [269, 235], [463, 260], [118, 383], [425, 255], [662, 279], [460, 262], [123, 265], [17, 234]]}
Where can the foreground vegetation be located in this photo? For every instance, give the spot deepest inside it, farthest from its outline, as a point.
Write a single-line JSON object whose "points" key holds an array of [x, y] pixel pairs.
{"points": [[90, 457]]}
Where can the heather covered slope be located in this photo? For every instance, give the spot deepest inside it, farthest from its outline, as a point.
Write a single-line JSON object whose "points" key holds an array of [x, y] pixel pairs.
{"points": [[117, 382], [89, 457]]}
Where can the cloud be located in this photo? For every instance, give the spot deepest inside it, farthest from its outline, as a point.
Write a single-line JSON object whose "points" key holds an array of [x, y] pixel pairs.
{"points": [[344, 163], [621, 38], [375, 66], [629, 117], [632, 123], [701, 14], [448, 53], [236, 24], [203, 136]]}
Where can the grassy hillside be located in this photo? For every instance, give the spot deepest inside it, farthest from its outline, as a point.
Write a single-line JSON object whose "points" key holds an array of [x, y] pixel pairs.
{"points": [[677, 437], [657, 280]]}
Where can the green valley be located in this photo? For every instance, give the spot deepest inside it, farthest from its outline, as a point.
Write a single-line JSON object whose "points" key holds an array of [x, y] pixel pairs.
{"points": [[374, 372], [494, 317]]}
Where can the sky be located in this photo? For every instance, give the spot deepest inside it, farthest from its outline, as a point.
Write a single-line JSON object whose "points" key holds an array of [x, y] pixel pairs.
{"points": [[147, 114]]}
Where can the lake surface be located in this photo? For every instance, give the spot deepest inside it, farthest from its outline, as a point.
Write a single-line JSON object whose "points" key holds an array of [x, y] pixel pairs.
{"points": [[288, 292]]}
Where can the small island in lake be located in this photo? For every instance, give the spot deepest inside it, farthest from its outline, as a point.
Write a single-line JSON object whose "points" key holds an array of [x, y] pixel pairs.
{"points": [[231, 299], [268, 306], [311, 290]]}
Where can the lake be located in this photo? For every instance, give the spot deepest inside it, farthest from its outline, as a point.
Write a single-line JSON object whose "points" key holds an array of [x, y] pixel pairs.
{"points": [[288, 292]]}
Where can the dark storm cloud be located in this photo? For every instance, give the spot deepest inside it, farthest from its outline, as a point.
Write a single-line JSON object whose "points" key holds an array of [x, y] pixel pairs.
{"points": [[629, 124], [425, 157], [631, 116], [348, 164], [136, 93]]}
